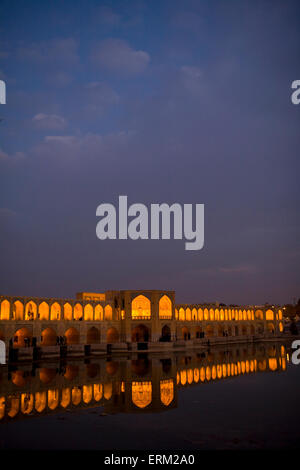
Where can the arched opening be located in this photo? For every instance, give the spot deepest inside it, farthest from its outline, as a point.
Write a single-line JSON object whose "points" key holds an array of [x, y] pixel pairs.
{"points": [[112, 367], [244, 315], [141, 394], [222, 316], [108, 312], [98, 312], [67, 311], [71, 372], [165, 307], [141, 308], [47, 375], [200, 314], [88, 312], [112, 335], [229, 331], [209, 331], [269, 315], [72, 336], [185, 333], [55, 311], [5, 307], [20, 378], [271, 328], [93, 336], [188, 314], [30, 311], [18, 309], [166, 333], [259, 315], [166, 391], [48, 337], [22, 338], [181, 314], [217, 314], [194, 314], [43, 311], [140, 334], [78, 314], [211, 314], [176, 314]]}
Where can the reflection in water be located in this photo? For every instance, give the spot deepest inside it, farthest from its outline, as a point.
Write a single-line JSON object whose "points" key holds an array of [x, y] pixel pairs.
{"points": [[140, 383]]}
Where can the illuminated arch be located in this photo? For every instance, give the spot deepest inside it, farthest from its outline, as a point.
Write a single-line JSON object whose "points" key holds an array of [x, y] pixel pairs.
{"points": [[20, 336], [271, 327], [18, 310], [5, 307], [229, 315], [194, 314], [43, 311], [176, 314], [188, 314], [166, 391], [240, 315], [206, 314], [88, 312], [112, 335], [226, 314], [68, 312], [244, 315], [93, 335], [49, 337], [141, 307], [181, 314], [53, 399], [108, 312], [249, 317], [280, 327], [72, 336], [165, 307], [55, 311], [30, 310], [87, 393], [222, 316], [269, 315], [141, 394], [65, 397], [13, 406], [107, 390], [47, 375], [217, 314], [279, 314], [211, 314], [98, 392], [259, 315], [200, 314], [40, 401], [98, 312], [78, 312], [71, 372], [76, 396]]}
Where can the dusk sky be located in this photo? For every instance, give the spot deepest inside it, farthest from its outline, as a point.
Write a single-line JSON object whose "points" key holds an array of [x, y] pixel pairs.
{"points": [[162, 101]]}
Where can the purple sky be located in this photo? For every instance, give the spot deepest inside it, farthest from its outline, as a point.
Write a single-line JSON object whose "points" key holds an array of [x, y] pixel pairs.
{"points": [[165, 101]]}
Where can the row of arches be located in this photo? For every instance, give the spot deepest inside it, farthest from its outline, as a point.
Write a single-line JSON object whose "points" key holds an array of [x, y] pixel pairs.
{"points": [[230, 369], [141, 308], [55, 311], [212, 330], [194, 314]]}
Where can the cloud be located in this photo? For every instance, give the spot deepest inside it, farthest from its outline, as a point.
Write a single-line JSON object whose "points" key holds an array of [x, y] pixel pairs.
{"points": [[49, 121], [54, 51], [117, 56], [5, 157], [107, 16]]}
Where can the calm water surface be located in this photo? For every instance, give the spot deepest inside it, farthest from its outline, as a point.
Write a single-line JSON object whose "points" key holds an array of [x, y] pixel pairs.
{"points": [[234, 397]]}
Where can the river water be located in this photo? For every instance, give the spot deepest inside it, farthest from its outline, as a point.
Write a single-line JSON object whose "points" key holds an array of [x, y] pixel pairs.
{"points": [[242, 396]]}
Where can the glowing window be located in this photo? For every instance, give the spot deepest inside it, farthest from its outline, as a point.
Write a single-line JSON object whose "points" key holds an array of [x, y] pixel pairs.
{"points": [[141, 308]]}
